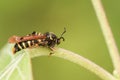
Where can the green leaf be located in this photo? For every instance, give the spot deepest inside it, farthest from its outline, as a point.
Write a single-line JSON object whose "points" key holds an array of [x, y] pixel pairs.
{"points": [[14, 67]]}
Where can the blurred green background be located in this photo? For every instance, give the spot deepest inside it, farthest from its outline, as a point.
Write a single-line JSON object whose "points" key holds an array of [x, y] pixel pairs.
{"points": [[84, 36]]}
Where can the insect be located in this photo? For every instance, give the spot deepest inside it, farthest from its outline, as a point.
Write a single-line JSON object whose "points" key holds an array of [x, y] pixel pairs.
{"points": [[48, 39]]}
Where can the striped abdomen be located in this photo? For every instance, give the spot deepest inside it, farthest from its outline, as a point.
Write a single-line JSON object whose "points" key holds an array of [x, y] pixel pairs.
{"points": [[26, 44]]}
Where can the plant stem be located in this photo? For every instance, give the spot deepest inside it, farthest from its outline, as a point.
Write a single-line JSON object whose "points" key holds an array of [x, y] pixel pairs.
{"points": [[70, 56], [112, 47]]}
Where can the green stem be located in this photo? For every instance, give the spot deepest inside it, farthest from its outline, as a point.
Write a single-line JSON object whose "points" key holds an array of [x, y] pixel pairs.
{"points": [[112, 47], [70, 56]]}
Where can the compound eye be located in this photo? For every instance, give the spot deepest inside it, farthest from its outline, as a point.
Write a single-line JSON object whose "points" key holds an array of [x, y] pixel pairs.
{"points": [[52, 36]]}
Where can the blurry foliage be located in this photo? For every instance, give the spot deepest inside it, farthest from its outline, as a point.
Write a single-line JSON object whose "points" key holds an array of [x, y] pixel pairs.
{"points": [[83, 35]]}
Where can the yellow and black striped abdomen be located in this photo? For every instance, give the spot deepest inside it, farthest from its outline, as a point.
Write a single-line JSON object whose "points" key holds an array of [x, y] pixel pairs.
{"points": [[26, 44], [22, 45]]}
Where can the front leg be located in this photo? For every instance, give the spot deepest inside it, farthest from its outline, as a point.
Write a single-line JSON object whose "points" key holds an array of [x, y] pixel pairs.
{"points": [[52, 50]]}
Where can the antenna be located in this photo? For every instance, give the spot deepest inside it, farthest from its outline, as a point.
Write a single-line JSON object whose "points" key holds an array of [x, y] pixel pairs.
{"points": [[62, 34]]}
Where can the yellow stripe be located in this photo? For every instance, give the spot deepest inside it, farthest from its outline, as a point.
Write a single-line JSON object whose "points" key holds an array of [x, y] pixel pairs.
{"points": [[19, 46], [23, 44], [39, 40], [29, 43], [36, 33], [33, 42], [51, 37], [39, 33]]}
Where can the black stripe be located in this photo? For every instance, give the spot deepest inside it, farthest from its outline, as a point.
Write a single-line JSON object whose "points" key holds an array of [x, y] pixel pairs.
{"points": [[31, 43], [17, 48], [26, 44], [34, 33], [36, 41]]}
